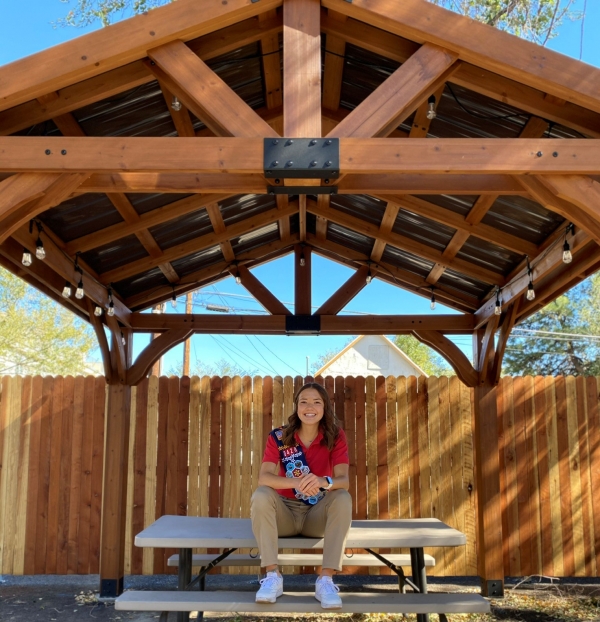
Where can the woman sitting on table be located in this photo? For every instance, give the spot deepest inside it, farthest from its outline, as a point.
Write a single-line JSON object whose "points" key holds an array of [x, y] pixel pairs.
{"points": [[303, 489]]}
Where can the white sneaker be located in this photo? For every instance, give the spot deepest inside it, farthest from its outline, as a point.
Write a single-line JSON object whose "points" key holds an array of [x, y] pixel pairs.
{"points": [[270, 588], [326, 592]]}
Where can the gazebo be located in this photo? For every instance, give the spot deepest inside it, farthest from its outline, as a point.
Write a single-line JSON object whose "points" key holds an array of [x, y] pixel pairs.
{"points": [[204, 138]]}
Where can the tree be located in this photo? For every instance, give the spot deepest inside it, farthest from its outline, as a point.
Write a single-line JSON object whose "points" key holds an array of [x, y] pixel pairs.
{"points": [[570, 344], [37, 335], [536, 20], [426, 358], [222, 367]]}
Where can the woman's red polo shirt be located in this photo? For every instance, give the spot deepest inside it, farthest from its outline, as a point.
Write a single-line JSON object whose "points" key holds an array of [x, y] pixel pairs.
{"points": [[319, 459]]}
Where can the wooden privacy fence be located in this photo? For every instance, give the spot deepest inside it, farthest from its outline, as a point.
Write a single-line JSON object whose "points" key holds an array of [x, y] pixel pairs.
{"points": [[196, 445]]}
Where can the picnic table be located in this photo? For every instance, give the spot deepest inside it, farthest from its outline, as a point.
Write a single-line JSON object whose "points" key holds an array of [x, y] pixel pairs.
{"points": [[188, 532]]}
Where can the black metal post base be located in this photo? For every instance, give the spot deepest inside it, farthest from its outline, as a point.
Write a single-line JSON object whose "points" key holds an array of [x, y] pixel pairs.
{"points": [[493, 588], [111, 588]]}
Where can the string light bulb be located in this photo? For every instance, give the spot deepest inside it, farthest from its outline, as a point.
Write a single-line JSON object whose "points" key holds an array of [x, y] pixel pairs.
{"points": [[431, 112], [79, 292], [238, 279], [67, 290], [530, 291], [498, 307], [98, 311], [369, 276], [40, 252], [157, 309], [432, 303], [111, 305], [26, 259], [567, 255], [176, 104], [174, 301], [302, 261]]}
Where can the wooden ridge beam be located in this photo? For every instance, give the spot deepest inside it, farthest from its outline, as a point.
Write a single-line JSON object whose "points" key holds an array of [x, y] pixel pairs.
{"points": [[480, 45], [205, 93], [302, 280], [489, 83], [275, 324], [392, 275], [398, 96], [451, 352], [302, 68], [406, 243], [257, 289], [117, 45], [147, 220], [345, 293], [195, 245], [360, 156], [152, 352]]}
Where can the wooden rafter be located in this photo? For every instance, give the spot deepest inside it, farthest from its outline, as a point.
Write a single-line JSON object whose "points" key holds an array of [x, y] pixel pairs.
{"points": [[271, 304], [488, 347], [406, 243], [508, 322], [346, 292], [271, 63], [551, 259], [210, 274], [124, 42], [196, 244], [179, 114], [333, 70], [98, 327], [387, 222], [478, 44], [150, 219], [452, 353], [489, 83], [394, 100], [216, 220], [391, 274], [204, 93]]}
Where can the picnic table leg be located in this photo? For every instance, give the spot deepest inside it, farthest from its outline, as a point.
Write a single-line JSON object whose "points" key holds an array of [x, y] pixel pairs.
{"points": [[185, 576], [417, 562]]}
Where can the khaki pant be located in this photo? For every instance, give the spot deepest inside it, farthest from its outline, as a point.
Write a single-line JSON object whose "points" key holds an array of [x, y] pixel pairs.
{"points": [[275, 516]]}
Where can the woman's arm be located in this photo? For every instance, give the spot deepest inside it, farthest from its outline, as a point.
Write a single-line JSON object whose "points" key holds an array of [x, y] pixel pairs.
{"points": [[311, 484], [267, 476]]}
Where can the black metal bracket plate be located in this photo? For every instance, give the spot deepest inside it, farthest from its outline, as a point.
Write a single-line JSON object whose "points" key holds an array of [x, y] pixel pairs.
{"points": [[302, 158], [492, 588], [301, 189], [302, 324]]}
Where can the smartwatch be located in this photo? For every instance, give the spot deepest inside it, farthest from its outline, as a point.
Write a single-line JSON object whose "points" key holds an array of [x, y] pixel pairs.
{"points": [[329, 484]]}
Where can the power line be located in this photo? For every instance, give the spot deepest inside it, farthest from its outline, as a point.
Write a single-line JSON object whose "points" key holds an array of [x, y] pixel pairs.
{"points": [[261, 355], [277, 357]]}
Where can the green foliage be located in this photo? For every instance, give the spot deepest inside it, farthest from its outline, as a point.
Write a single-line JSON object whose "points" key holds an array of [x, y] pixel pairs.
{"points": [[222, 367], [535, 20], [37, 335], [574, 313], [87, 12], [426, 358]]}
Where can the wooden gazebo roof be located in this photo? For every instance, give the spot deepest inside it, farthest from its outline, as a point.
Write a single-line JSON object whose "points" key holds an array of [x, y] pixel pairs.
{"points": [[143, 196]]}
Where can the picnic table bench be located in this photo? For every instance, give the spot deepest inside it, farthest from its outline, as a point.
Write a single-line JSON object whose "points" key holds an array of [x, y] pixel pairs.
{"points": [[188, 532]]}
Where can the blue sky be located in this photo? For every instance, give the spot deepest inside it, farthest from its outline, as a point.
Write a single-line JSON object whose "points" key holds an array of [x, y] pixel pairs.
{"points": [[26, 28]]}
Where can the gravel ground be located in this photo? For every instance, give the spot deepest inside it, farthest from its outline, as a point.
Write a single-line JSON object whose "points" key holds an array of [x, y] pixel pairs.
{"points": [[73, 598]]}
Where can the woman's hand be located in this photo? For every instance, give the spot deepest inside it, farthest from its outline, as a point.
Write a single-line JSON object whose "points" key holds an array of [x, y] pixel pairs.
{"points": [[309, 484]]}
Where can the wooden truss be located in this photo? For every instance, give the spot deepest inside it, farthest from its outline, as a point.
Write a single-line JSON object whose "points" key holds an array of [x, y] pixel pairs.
{"points": [[173, 46]]}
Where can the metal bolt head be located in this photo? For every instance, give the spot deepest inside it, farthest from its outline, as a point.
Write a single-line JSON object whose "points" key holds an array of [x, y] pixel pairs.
{"points": [[328, 163], [63, 152], [289, 163], [539, 154], [278, 181], [47, 152], [313, 142], [275, 163], [314, 163], [326, 181], [328, 142], [290, 142], [555, 154], [275, 142]]}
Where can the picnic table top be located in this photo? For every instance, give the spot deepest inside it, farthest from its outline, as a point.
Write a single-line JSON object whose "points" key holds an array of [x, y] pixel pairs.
{"points": [[211, 532]]}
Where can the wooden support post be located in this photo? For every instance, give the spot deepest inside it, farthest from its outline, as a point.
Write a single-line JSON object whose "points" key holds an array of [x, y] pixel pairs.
{"points": [[114, 490], [490, 562], [302, 273]]}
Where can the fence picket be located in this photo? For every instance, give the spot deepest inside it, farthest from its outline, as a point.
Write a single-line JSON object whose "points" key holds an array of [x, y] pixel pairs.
{"points": [[594, 444]]}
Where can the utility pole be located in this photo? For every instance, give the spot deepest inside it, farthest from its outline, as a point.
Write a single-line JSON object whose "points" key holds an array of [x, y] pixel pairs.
{"points": [[187, 346]]}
